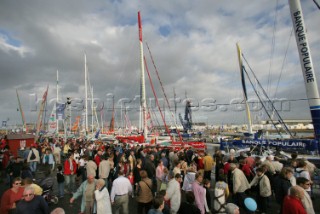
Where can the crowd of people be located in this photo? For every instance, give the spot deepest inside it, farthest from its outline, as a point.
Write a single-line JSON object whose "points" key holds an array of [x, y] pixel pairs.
{"points": [[158, 179]]}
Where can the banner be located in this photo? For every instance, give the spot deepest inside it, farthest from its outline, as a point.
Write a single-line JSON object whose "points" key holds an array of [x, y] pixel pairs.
{"points": [[60, 107], [52, 123]]}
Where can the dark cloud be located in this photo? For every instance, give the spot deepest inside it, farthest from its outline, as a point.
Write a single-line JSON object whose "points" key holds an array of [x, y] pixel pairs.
{"points": [[196, 55]]}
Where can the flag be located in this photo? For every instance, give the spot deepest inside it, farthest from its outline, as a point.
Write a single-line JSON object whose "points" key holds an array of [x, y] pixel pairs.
{"points": [[97, 134], [60, 107]]}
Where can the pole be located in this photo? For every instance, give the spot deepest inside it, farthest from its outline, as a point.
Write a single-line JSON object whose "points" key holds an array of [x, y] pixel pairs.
{"points": [[86, 93], [57, 120]]}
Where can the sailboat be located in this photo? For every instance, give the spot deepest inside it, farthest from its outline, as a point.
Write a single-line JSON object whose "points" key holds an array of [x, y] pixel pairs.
{"points": [[143, 104], [302, 145]]}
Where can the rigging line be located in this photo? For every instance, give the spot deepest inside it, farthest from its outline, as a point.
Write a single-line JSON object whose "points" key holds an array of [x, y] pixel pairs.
{"points": [[266, 95], [155, 116], [156, 98], [317, 4], [273, 45], [156, 70], [282, 66], [163, 91], [264, 107], [283, 62]]}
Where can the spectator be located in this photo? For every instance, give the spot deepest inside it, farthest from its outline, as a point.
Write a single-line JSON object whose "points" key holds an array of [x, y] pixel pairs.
{"points": [[240, 184], [57, 153], [221, 193], [32, 203], [121, 187], [26, 171], [158, 205], [48, 160], [282, 184], [200, 193], [208, 163], [292, 203], [104, 169], [91, 167], [159, 174], [60, 180], [14, 169], [70, 171], [58, 210], [102, 197], [232, 209], [189, 207], [206, 185], [145, 196], [173, 193], [11, 196], [306, 200], [261, 181], [302, 171], [86, 190], [33, 158], [29, 182]]}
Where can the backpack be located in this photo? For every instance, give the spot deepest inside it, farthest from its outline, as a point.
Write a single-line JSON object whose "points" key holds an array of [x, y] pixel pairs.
{"points": [[33, 156]]}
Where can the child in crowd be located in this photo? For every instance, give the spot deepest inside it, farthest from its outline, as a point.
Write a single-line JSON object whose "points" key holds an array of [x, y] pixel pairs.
{"points": [[60, 180]]}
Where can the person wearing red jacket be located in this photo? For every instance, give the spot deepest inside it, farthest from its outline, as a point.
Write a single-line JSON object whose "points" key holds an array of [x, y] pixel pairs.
{"points": [[292, 203], [70, 172]]}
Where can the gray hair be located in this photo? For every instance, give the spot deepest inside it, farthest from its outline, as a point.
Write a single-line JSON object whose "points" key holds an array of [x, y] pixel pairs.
{"points": [[28, 188], [58, 210]]}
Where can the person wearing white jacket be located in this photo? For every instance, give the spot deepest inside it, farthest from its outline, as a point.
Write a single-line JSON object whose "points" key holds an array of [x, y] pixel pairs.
{"points": [[102, 198], [262, 183], [240, 185], [306, 200], [173, 193]]}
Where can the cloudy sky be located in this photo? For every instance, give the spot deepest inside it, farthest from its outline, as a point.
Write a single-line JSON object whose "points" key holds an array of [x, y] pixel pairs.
{"points": [[193, 44]]}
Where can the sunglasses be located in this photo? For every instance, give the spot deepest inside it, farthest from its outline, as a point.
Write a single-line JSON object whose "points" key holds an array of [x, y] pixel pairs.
{"points": [[28, 195], [17, 183]]}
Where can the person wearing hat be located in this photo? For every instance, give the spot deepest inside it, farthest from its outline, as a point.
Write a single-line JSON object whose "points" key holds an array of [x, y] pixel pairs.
{"points": [[33, 158]]}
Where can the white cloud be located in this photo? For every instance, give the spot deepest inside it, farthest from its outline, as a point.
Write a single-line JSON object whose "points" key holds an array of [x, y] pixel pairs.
{"points": [[193, 45]]}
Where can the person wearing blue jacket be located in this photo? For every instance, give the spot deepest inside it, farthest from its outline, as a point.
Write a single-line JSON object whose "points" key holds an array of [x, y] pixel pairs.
{"points": [[86, 190]]}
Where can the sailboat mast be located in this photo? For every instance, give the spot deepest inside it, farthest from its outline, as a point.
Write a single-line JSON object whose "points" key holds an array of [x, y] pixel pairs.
{"points": [[57, 101], [306, 64], [244, 89], [92, 110], [86, 93], [142, 82]]}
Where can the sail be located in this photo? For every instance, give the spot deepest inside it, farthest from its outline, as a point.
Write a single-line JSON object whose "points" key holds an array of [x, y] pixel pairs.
{"points": [[41, 111], [306, 64], [21, 112], [52, 123], [244, 88]]}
